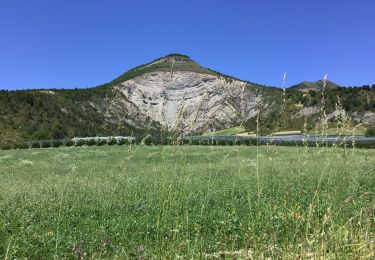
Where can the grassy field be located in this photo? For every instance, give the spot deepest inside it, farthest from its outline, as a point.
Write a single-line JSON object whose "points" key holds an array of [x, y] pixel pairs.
{"points": [[332, 130], [228, 131], [360, 130], [187, 201]]}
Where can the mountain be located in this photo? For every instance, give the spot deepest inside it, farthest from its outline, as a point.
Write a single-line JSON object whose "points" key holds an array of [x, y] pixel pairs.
{"points": [[174, 94], [317, 86], [182, 96]]}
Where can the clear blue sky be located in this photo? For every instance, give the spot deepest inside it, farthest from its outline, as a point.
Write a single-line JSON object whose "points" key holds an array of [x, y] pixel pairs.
{"points": [[84, 43]]}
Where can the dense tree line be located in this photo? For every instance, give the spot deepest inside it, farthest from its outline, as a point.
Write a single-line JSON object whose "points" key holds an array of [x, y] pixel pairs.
{"points": [[283, 116], [53, 114]]}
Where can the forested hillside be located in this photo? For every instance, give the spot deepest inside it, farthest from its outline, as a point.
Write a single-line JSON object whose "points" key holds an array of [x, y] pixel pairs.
{"points": [[127, 105]]}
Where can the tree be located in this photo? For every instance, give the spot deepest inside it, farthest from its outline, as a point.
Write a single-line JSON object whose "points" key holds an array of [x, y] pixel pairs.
{"points": [[58, 132], [370, 131], [40, 134]]}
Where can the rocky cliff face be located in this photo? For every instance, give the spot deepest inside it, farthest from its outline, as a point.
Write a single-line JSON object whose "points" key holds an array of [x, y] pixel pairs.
{"points": [[175, 93], [184, 101]]}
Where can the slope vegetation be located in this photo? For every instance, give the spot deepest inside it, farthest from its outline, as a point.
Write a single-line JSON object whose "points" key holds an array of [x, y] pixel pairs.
{"points": [[176, 94]]}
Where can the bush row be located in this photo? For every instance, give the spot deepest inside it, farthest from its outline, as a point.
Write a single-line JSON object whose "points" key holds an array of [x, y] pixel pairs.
{"points": [[252, 142], [186, 141], [66, 143]]}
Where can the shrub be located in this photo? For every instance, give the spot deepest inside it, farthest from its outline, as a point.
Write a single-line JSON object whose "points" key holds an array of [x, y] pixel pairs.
{"points": [[194, 142], [221, 142], [91, 142], [69, 143], [45, 144], [370, 131], [57, 143], [40, 134], [367, 145], [80, 142], [21, 146], [101, 142], [203, 142], [35, 144], [230, 142], [5, 146], [246, 142], [122, 141], [137, 140], [147, 141], [112, 141]]}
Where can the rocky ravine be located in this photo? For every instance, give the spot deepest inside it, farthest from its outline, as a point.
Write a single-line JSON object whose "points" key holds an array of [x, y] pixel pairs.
{"points": [[183, 101]]}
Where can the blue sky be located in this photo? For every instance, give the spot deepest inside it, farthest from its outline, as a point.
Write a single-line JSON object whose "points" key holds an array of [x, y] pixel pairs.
{"points": [[84, 43]]}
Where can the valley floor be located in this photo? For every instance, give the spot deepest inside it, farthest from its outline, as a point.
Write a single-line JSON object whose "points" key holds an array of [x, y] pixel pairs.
{"points": [[187, 201]]}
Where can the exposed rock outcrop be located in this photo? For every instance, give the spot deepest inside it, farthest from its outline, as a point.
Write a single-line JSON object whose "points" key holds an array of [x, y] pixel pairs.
{"points": [[185, 101]]}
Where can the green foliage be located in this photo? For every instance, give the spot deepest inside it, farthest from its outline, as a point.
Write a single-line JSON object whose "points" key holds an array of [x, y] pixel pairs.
{"points": [[112, 141], [54, 114], [274, 118], [46, 144], [91, 142], [57, 143], [80, 142], [370, 131], [101, 142], [162, 64], [69, 143], [58, 131], [35, 144], [6, 146], [122, 141], [22, 145], [41, 134]]}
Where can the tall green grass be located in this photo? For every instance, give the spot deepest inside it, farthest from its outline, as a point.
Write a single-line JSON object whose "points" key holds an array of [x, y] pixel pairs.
{"points": [[187, 201]]}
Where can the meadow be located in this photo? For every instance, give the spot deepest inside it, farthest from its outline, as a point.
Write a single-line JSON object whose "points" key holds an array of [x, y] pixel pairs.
{"points": [[146, 202]]}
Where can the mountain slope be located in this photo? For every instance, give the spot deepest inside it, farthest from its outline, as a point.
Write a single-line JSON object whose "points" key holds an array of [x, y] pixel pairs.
{"points": [[314, 86], [171, 94]]}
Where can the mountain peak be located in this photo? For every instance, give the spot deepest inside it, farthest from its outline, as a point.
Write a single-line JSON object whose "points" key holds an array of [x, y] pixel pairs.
{"points": [[176, 56], [314, 86], [173, 58], [168, 63]]}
